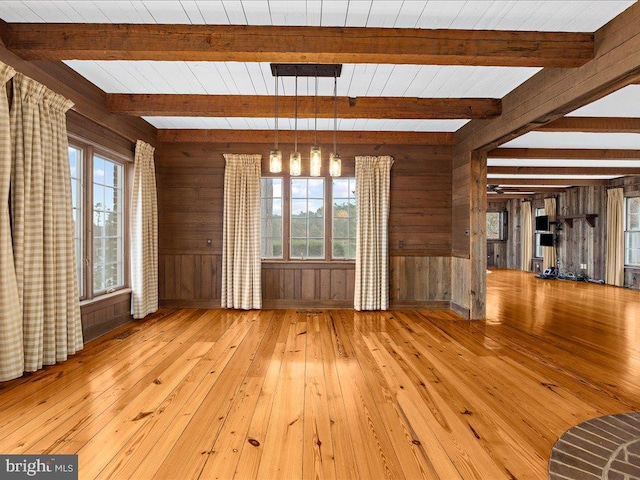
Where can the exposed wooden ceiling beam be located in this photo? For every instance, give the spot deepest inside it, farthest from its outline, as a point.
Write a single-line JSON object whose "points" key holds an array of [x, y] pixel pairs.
{"points": [[552, 93], [593, 125], [534, 188], [578, 182], [562, 171], [305, 137], [565, 153], [264, 106], [40, 41]]}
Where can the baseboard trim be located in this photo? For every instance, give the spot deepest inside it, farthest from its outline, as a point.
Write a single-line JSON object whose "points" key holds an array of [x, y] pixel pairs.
{"points": [[428, 305], [465, 312]]}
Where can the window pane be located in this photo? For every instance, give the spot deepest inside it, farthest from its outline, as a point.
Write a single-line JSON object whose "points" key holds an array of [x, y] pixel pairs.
{"points": [[307, 218], [299, 207], [271, 217], [344, 218], [75, 168], [98, 170], [316, 248], [298, 248], [316, 228], [108, 228], [494, 225], [298, 227], [98, 197]]}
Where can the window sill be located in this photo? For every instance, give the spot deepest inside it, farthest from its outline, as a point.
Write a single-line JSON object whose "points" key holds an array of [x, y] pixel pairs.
{"points": [[302, 263], [105, 297], [632, 267]]}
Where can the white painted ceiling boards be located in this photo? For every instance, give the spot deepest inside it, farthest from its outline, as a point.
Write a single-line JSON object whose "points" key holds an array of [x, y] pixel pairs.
{"points": [[357, 80]]}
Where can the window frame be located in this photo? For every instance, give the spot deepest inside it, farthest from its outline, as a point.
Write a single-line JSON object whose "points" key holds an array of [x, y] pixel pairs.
{"points": [[283, 219], [627, 230], [539, 211], [332, 238], [286, 221], [326, 219], [89, 150], [502, 224], [122, 189]]}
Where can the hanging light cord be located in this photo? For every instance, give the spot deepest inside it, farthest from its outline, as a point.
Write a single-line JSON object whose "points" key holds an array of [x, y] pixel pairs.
{"points": [[335, 110], [276, 76], [295, 136], [316, 111]]}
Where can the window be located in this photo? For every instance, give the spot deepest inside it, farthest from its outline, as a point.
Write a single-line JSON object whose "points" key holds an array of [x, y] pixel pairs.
{"points": [[343, 227], [307, 218], [495, 225], [75, 164], [98, 197], [108, 234], [632, 231], [307, 232], [271, 217], [539, 252]]}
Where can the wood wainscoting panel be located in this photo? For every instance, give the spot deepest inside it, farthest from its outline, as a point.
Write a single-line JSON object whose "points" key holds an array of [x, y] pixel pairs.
{"points": [[308, 284], [419, 282], [105, 314], [460, 281]]}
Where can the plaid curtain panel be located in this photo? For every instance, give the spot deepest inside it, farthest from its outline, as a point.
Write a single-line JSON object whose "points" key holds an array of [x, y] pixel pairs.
{"points": [[373, 176], [241, 262], [11, 352], [42, 222], [615, 237], [144, 234]]}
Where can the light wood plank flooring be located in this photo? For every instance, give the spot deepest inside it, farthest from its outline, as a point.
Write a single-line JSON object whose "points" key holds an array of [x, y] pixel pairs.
{"points": [[193, 394]]}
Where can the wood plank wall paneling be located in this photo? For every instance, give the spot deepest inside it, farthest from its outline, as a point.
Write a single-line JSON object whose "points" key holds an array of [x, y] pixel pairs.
{"points": [[105, 315], [416, 281], [190, 195], [582, 243], [460, 282], [460, 213], [299, 284]]}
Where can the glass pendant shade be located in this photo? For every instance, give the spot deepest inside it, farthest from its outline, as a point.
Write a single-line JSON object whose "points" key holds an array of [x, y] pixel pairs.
{"points": [[275, 161], [295, 164], [335, 165], [315, 161]]}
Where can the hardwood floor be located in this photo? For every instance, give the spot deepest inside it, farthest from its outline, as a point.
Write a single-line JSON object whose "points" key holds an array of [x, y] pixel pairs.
{"points": [[281, 394]]}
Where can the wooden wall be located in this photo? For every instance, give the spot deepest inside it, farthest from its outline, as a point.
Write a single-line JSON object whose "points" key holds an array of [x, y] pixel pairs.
{"points": [[190, 197], [581, 244]]}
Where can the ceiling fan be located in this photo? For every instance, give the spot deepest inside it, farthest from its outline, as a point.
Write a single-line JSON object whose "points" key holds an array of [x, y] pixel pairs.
{"points": [[495, 188]]}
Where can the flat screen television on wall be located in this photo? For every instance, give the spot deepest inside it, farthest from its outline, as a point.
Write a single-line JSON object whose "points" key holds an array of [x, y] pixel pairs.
{"points": [[546, 239], [542, 223]]}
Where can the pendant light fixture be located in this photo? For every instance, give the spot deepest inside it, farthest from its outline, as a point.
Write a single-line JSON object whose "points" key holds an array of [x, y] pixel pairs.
{"points": [[335, 161], [295, 159], [315, 156], [275, 156], [316, 70]]}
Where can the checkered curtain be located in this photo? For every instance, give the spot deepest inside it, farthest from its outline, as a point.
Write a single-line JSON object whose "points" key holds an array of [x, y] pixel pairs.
{"points": [[144, 234], [373, 176], [615, 237], [241, 263], [42, 225], [11, 353], [526, 236], [549, 253]]}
